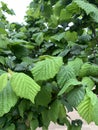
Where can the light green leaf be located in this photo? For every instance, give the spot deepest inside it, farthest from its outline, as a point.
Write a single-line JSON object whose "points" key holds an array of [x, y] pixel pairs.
{"points": [[47, 68], [88, 82], [92, 96], [24, 86], [75, 96], [3, 81], [65, 15], [85, 109], [71, 36], [87, 106], [7, 99], [88, 70], [76, 65], [65, 73], [2, 31], [95, 113]]}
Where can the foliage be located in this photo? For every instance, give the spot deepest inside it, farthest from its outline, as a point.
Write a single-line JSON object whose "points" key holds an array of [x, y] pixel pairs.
{"points": [[49, 65]]}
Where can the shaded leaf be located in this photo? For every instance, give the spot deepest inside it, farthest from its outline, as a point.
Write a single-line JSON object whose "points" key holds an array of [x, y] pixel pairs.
{"points": [[54, 110], [75, 96], [7, 99], [65, 73], [69, 85], [43, 97]]}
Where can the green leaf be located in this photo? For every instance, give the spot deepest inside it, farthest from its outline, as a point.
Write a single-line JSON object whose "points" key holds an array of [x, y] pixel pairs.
{"points": [[11, 127], [54, 110], [3, 81], [85, 70], [19, 50], [3, 42], [75, 96], [38, 37], [88, 70], [88, 82], [95, 113], [71, 36], [86, 107], [23, 106], [47, 68], [24, 86], [7, 99], [2, 60], [58, 37], [2, 31], [34, 124], [2, 72], [43, 97], [69, 85], [88, 8], [75, 125], [45, 118], [66, 13], [76, 65], [65, 73]]}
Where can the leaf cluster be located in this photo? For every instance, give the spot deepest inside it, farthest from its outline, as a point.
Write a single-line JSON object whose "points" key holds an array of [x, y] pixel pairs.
{"points": [[49, 65]]}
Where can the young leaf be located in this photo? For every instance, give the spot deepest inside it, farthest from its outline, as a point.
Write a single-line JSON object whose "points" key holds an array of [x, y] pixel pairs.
{"points": [[24, 86], [47, 68], [7, 99]]}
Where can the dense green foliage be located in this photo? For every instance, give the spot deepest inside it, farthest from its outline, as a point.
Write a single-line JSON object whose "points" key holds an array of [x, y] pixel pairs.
{"points": [[49, 66]]}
